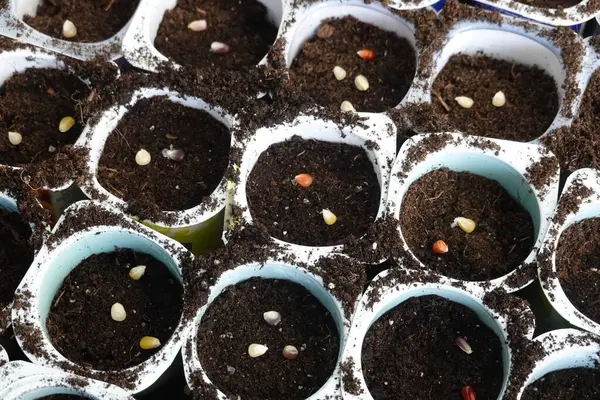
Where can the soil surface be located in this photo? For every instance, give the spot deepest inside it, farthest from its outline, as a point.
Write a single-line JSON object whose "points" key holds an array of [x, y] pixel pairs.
{"points": [[531, 97], [411, 352], [336, 43], [95, 20], [80, 324], [344, 182], [578, 266], [235, 320], [579, 146], [242, 25], [551, 3], [503, 236], [16, 253], [33, 103], [62, 397], [567, 384], [156, 124]]}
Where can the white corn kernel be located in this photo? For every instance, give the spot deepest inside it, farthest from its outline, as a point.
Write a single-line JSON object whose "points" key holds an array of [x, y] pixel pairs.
{"points": [[198, 25], [339, 72], [117, 312], [347, 106], [136, 273], [329, 217], [464, 102], [15, 138], [142, 157], [361, 83], [272, 317], [499, 99], [257, 350], [466, 224], [69, 29]]}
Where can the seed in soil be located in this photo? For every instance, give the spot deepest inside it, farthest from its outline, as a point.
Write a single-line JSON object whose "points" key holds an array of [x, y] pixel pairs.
{"points": [[164, 184], [577, 260], [566, 384], [154, 306], [346, 106], [502, 240], [235, 319], [346, 184], [468, 393], [39, 125], [499, 99], [84, 21], [390, 73], [339, 73], [242, 26], [365, 54], [394, 370], [329, 217], [173, 154], [69, 29], [16, 253], [464, 101], [440, 247], [290, 352], [137, 272], [117, 312], [304, 180], [463, 345], [532, 92], [149, 343], [15, 138], [361, 83], [219, 48], [272, 317], [466, 224], [257, 350], [198, 25], [142, 157], [66, 124]]}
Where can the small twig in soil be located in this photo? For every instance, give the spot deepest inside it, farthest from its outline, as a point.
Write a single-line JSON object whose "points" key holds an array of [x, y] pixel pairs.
{"points": [[436, 197], [512, 248], [439, 97], [59, 297], [110, 4]]}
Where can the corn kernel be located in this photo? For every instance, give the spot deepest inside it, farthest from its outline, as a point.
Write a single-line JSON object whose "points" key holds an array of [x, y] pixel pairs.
{"points": [[149, 343]]}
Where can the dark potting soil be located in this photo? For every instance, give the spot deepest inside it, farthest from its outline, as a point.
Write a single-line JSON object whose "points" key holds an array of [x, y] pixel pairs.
{"points": [[503, 236], [551, 3], [579, 146], [235, 320], [344, 182], [337, 41], [531, 97], [16, 253], [62, 397], [242, 25], [411, 352], [32, 103], [156, 124], [578, 266], [80, 325], [95, 20], [566, 384]]}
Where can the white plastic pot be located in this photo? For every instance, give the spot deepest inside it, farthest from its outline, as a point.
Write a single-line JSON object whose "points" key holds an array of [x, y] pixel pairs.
{"points": [[379, 129], [196, 226], [138, 43], [15, 61], [307, 20], [589, 208], [511, 42], [3, 356], [12, 26], [508, 167], [565, 349], [52, 265], [393, 293], [268, 270], [21, 380], [573, 17]]}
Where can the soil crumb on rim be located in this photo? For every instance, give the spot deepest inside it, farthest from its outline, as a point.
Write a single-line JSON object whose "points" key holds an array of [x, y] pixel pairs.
{"points": [[578, 263], [234, 320], [566, 384], [503, 236], [95, 20], [412, 350], [531, 97], [167, 183], [80, 324], [243, 26], [344, 182], [390, 73]]}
